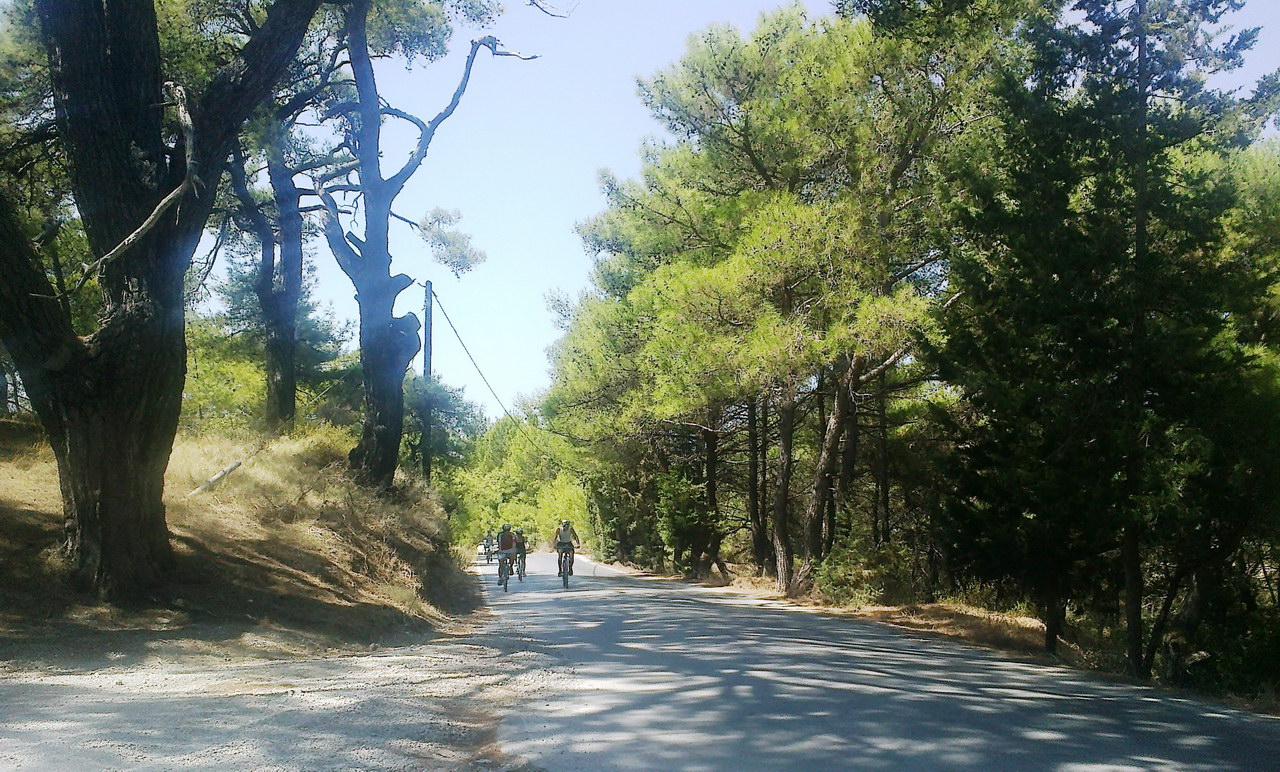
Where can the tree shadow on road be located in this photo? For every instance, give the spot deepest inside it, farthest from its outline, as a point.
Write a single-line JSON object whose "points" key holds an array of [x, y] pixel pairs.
{"points": [[666, 676]]}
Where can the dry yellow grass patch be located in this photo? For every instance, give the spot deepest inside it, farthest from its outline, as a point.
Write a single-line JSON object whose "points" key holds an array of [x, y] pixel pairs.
{"points": [[283, 542], [1009, 632]]}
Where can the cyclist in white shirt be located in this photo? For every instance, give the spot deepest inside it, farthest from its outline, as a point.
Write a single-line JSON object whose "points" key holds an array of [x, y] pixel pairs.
{"points": [[566, 539]]}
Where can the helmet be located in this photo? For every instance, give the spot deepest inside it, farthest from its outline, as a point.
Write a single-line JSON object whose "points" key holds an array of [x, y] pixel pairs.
{"points": [[519, 530], [564, 521], [506, 526]]}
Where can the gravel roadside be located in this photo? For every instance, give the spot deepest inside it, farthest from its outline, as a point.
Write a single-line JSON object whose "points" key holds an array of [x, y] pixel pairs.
{"points": [[427, 705]]}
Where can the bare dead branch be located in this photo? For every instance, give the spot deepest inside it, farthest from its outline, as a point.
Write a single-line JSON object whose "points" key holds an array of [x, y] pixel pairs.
{"points": [[342, 251], [189, 183], [550, 10], [404, 219]]}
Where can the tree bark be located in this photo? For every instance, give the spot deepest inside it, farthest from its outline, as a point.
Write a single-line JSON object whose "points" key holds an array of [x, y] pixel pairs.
{"points": [[427, 448], [783, 558], [1134, 589], [711, 464], [387, 345], [1131, 536], [755, 510], [1162, 620], [110, 411], [828, 519], [848, 457], [1054, 619], [766, 493], [882, 531], [387, 342], [282, 321], [820, 485], [278, 284], [4, 392]]}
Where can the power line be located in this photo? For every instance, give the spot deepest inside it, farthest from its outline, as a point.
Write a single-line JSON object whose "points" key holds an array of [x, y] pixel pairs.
{"points": [[519, 424]]}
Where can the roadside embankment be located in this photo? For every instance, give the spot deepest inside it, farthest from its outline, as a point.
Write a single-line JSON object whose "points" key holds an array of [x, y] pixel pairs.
{"points": [[284, 557]]}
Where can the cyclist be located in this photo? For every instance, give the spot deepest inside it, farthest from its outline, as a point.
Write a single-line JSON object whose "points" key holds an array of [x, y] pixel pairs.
{"points": [[488, 544], [522, 546], [507, 546], [566, 539]]}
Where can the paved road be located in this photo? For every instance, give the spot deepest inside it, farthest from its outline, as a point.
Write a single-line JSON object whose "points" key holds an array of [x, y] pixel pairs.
{"points": [[661, 675]]}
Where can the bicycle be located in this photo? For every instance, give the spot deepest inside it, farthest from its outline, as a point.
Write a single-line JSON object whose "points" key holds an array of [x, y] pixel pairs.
{"points": [[504, 571], [520, 567], [566, 566]]}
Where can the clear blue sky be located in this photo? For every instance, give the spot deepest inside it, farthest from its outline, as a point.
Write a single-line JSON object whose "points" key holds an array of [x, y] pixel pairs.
{"points": [[520, 161]]}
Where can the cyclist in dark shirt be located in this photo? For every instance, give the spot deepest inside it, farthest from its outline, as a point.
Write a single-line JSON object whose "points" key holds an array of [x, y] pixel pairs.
{"points": [[507, 546]]}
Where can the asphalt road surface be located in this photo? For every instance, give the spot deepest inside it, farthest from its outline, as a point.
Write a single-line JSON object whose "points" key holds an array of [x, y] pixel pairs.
{"points": [[662, 675]]}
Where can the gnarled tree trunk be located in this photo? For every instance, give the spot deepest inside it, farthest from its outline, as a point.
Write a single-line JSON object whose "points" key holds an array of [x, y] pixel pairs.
{"points": [[387, 345], [387, 342], [109, 403]]}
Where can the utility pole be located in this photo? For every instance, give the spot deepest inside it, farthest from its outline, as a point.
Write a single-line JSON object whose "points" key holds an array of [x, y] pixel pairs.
{"points": [[426, 376]]}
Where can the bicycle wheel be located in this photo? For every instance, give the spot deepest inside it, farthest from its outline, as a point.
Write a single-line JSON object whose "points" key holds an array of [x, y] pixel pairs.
{"points": [[520, 568], [564, 569]]}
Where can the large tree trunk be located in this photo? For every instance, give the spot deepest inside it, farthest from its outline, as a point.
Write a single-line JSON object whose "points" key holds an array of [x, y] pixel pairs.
{"points": [[428, 449], [110, 402], [1054, 619], [711, 465], [848, 457], [1162, 620], [387, 345], [109, 406], [783, 559], [112, 450], [387, 342], [281, 362]]}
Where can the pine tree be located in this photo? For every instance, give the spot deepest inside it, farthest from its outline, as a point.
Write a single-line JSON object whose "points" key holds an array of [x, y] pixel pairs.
{"points": [[1095, 315]]}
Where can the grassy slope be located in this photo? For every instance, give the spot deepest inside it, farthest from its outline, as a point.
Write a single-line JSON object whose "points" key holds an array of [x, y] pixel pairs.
{"points": [[283, 555]]}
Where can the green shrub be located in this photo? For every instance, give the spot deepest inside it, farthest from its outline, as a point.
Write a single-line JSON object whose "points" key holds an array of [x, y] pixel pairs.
{"points": [[860, 574]]}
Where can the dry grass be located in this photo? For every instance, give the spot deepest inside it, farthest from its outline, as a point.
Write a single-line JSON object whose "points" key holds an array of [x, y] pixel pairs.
{"points": [[285, 547], [1014, 633], [1008, 632]]}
